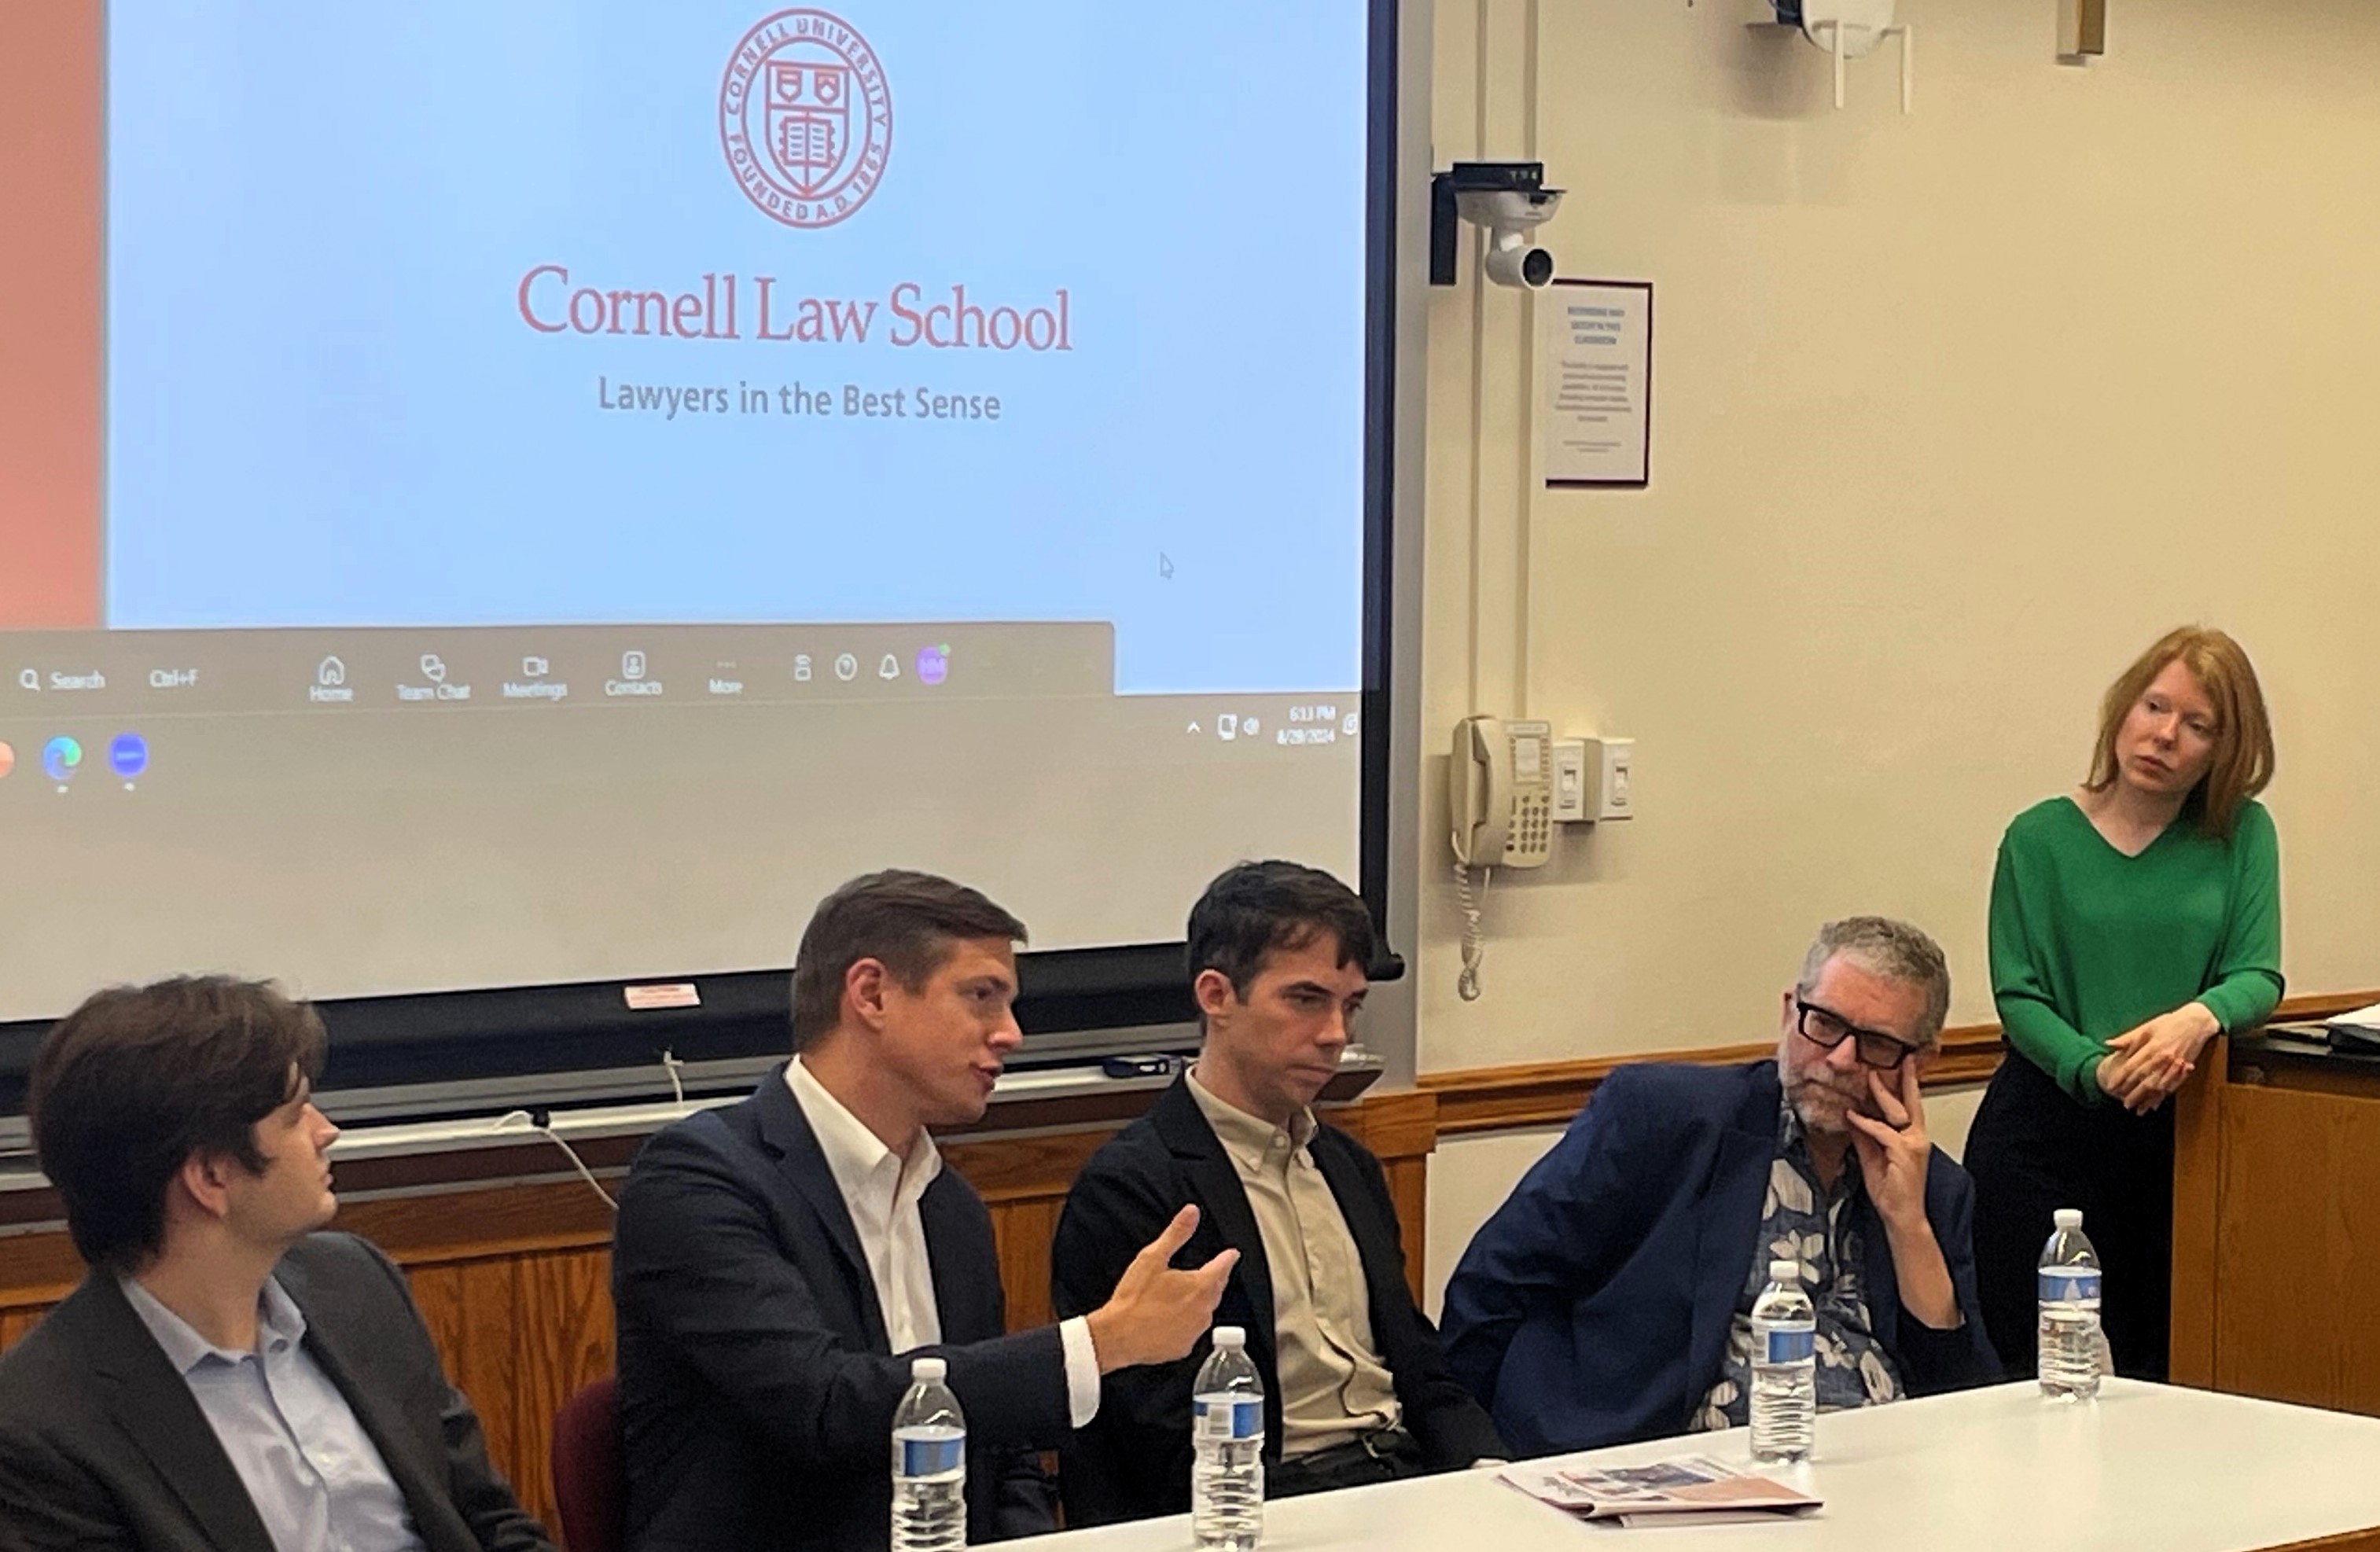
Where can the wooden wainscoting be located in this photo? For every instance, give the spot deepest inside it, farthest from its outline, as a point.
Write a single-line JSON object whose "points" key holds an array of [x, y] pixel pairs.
{"points": [[514, 1280], [2277, 1210]]}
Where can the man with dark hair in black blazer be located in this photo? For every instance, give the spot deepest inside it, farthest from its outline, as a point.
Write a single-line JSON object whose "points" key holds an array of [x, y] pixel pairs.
{"points": [[1356, 1388], [226, 1377], [779, 1264]]}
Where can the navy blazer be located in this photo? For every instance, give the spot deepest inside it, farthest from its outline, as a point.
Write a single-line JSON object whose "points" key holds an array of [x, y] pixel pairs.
{"points": [[1133, 1460], [102, 1443], [756, 1383], [1593, 1307]]}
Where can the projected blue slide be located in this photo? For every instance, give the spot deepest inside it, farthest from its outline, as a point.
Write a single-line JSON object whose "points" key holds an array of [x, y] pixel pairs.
{"points": [[599, 312]]}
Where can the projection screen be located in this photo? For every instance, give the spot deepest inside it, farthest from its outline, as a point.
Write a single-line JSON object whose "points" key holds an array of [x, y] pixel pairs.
{"points": [[496, 495]]}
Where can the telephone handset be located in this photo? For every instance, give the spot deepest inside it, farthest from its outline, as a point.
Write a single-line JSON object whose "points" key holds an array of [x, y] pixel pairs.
{"points": [[1500, 793]]}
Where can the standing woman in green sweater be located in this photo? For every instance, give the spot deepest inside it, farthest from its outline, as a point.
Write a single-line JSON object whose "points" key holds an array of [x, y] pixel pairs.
{"points": [[2131, 921]]}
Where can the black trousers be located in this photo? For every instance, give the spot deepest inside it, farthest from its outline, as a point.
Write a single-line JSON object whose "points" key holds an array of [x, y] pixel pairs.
{"points": [[1387, 1456], [2032, 1150]]}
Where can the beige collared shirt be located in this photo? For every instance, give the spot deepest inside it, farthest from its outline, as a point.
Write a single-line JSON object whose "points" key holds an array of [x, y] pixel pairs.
{"points": [[1333, 1385]]}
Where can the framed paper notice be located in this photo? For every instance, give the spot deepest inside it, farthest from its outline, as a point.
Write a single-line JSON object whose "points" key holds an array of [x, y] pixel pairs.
{"points": [[1595, 403]]}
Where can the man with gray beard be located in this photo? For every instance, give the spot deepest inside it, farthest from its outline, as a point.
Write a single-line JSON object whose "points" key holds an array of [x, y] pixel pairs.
{"points": [[1611, 1297]]}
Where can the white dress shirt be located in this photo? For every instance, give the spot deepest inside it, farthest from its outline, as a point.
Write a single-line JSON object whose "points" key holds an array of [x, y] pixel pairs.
{"points": [[881, 1190]]}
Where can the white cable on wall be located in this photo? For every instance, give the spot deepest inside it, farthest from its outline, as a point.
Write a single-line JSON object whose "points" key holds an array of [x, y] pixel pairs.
{"points": [[516, 1120]]}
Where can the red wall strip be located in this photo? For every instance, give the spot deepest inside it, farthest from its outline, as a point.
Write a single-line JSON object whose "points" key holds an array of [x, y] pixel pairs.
{"points": [[52, 209]]}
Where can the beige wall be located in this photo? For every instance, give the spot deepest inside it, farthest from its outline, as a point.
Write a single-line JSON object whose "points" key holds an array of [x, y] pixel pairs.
{"points": [[1953, 414]]}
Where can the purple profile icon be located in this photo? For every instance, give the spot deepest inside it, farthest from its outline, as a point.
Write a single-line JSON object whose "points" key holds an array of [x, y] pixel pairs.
{"points": [[933, 664]]}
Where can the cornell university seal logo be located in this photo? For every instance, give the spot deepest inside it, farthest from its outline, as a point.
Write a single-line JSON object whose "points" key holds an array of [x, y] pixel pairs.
{"points": [[806, 118]]}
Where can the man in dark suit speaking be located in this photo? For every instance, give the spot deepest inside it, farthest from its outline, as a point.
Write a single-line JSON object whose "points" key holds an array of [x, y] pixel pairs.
{"points": [[226, 1377], [778, 1263]]}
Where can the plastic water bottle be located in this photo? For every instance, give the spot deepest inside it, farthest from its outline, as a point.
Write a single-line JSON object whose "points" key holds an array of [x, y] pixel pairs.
{"points": [[1227, 1431], [928, 1465], [2069, 1343], [1784, 1367]]}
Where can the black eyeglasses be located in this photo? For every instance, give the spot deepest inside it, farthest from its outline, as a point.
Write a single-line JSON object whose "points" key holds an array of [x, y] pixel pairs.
{"points": [[1824, 1026]]}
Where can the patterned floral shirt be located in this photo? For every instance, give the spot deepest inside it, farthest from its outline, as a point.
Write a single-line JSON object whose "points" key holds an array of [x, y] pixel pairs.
{"points": [[1803, 1221]]}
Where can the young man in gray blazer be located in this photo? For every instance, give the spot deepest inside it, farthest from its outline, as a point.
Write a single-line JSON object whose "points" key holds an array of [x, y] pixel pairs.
{"points": [[226, 1377]]}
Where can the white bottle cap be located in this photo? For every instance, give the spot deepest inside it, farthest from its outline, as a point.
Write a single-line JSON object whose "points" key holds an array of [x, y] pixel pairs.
{"points": [[1230, 1336], [2065, 1218], [928, 1371], [1788, 1272]]}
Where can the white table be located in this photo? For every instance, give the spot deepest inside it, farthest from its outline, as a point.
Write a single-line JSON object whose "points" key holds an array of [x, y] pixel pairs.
{"points": [[2145, 1466]]}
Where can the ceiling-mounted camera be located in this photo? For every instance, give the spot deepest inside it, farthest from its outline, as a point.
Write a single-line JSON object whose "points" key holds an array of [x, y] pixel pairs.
{"points": [[1509, 198]]}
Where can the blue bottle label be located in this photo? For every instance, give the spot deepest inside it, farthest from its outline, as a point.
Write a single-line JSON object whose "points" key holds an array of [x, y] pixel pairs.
{"points": [[2069, 1285], [1239, 1418], [932, 1454], [1787, 1344]]}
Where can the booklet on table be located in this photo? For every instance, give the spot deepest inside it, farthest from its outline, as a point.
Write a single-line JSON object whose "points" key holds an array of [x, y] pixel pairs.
{"points": [[1695, 1486]]}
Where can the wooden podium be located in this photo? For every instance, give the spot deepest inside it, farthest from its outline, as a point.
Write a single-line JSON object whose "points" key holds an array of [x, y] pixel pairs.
{"points": [[2277, 1224]]}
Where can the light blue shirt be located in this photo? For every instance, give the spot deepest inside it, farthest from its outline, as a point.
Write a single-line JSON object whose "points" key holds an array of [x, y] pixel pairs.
{"points": [[317, 1480]]}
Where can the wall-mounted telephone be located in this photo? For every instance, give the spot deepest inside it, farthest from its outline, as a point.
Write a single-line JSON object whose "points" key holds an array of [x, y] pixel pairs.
{"points": [[1500, 793]]}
